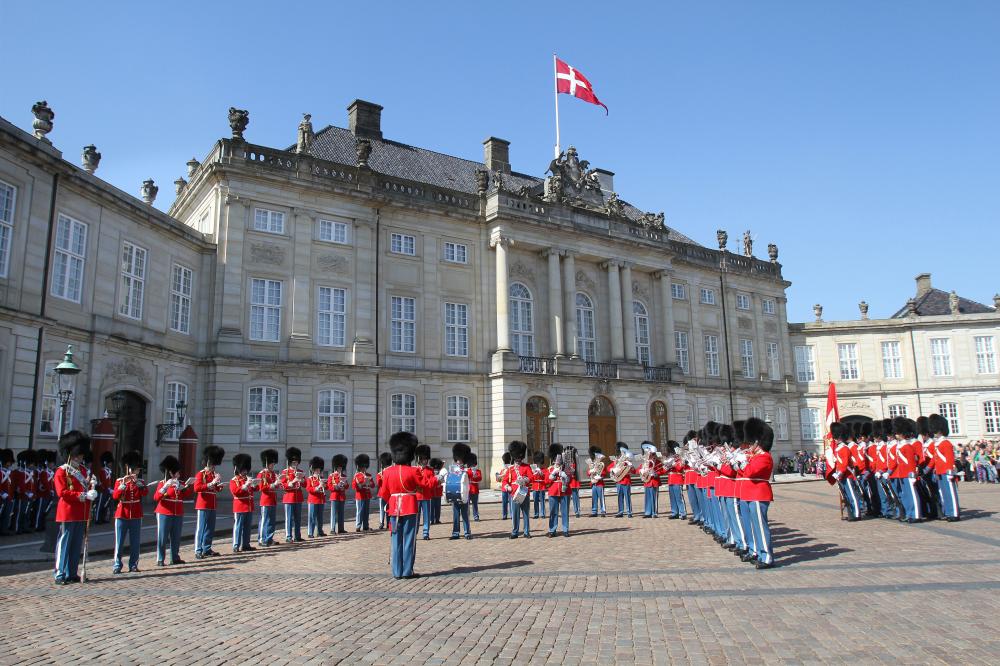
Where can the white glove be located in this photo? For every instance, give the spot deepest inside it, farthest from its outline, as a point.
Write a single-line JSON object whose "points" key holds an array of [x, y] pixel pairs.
{"points": [[121, 486], [4, 496], [91, 494], [837, 475], [30, 495]]}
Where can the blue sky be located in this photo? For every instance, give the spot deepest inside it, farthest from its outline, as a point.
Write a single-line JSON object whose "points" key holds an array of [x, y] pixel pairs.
{"points": [[863, 137]]}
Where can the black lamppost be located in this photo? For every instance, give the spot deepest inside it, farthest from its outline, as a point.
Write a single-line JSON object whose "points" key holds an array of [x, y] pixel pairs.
{"points": [[552, 425], [165, 430], [67, 372]]}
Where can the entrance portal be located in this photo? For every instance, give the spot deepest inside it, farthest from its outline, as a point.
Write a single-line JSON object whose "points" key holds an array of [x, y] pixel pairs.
{"points": [[130, 427], [603, 425]]}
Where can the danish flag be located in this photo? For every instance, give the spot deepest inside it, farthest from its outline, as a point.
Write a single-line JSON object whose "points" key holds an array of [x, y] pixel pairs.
{"points": [[572, 82]]}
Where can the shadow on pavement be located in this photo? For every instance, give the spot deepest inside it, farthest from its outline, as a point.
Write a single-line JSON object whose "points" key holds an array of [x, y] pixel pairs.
{"points": [[485, 567]]}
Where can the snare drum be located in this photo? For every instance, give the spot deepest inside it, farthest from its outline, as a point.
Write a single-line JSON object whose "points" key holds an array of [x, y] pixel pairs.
{"points": [[519, 494]]}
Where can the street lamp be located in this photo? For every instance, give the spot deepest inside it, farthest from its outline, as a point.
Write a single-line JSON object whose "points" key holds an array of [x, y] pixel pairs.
{"points": [[552, 425], [165, 430], [67, 372]]}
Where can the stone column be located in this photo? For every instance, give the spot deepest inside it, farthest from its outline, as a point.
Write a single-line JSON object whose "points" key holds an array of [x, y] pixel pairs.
{"points": [[569, 303], [615, 309], [301, 231], [669, 353], [788, 367], [500, 243], [230, 287], [555, 304], [628, 316]]}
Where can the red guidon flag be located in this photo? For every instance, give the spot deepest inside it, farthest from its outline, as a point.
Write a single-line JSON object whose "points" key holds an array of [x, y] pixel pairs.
{"points": [[832, 414], [572, 82]]}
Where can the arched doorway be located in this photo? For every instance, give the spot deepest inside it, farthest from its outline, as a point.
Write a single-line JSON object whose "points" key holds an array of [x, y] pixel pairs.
{"points": [[603, 425], [130, 425], [855, 418], [658, 423], [536, 413]]}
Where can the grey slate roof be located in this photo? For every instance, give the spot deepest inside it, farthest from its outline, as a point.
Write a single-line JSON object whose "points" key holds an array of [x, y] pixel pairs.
{"points": [[401, 160], [935, 302]]}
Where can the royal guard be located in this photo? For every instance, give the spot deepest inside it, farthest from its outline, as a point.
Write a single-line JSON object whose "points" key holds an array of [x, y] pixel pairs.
{"points": [[268, 484], [337, 484], [519, 478], [207, 484], [729, 474], [169, 497], [892, 463], [315, 498], [504, 488], [384, 461], [724, 486], [905, 473], [944, 467], [475, 478], [597, 471], [459, 510], [363, 485], [844, 470], [675, 482], [7, 490], [46, 487], [650, 475], [128, 492], [292, 483], [105, 486], [691, 481], [557, 488], [401, 484], [425, 496], [538, 485], [76, 493], [757, 487], [624, 485], [242, 486], [926, 479], [26, 492], [437, 466]]}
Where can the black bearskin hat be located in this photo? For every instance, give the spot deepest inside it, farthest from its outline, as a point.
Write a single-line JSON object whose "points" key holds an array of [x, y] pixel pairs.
{"points": [[517, 449], [472, 459], [74, 443], [132, 459], [26, 457], [403, 446], [554, 450], [839, 431], [855, 430], [6, 457], [620, 445], [938, 424], [362, 461], [923, 427], [339, 461], [170, 465], [726, 434], [423, 452], [767, 439], [691, 434], [213, 455], [107, 458], [593, 451], [738, 431], [538, 458], [887, 429], [753, 429], [712, 432], [505, 458], [673, 447], [293, 454], [460, 452], [268, 456], [384, 459], [901, 426], [867, 428], [317, 463], [436, 464], [877, 430], [242, 462]]}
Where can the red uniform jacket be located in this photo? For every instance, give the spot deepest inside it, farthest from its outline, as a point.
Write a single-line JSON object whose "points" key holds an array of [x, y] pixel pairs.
{"points": [[880, 464], [206, 489], [315, 488], [757, 475], [170, 503], [105, 479], [891, 455], [400, 486], [71, 485], [43, 484], [553, 484], [844, 460], [627, 479], [292, 486], [242, 498], [362, 484], [675, 477], [268, 495], [6, 485], [928, 453], [538, 480], [332, 481], [129, 497], [858, 457], [439, 484], [430, 490], [725, 482], [944, 457], [475, 476], [691, 477], [517, 470], [27, 487], [905, 460], [654, 481]]}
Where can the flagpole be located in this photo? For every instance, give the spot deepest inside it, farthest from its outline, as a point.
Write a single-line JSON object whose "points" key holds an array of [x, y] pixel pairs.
{"points": [[555, 94]]}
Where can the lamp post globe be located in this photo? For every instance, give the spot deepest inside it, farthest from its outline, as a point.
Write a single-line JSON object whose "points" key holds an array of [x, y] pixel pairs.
{"points": [[66, 373]]}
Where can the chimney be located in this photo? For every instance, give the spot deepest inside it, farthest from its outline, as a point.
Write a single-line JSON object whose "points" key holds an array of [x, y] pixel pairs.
{"points": [[923, 284], [496, 154], [607, 180], [365, 119]]}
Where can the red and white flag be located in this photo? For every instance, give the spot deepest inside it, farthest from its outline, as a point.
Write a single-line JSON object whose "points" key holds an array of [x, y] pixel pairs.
{"points": [[832, 414], [572, 82]]}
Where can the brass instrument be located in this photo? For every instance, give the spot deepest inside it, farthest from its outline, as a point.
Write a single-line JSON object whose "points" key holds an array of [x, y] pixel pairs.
{"points": [[595, 468], [622, 466]]}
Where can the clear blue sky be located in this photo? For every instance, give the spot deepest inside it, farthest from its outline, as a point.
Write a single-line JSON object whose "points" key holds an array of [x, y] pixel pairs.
{"points": [[861, 136]]}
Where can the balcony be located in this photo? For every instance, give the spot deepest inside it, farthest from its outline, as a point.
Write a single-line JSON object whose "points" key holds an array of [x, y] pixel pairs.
{"points": [[536, 365], [602, 370], [655, 374]]}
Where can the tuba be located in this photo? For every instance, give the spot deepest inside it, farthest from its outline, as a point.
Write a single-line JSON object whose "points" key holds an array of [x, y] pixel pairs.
{"points": [[622, 465], [595, 468]]}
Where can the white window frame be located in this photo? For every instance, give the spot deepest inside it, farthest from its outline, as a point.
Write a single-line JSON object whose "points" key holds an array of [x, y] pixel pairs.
{"points": [[456, 253], [458, 427], [640, 315], [49, 408], [174, 393], [986, 357], [707, 296], [991, 417], [756, 411], [717, 412], [586, 330], [402, 412], [265, 310], [181, 291], [331, 316], [809, 422], [268, 221], [782, 423], [949, 410], [941, 357], [520, 313], [768, 306], [403, 324], [746, 359], [8, 205], [331, 415], [134, 262], [712, 367], [742, 302], [334, 231], [456, 329], [678, 291], [805, 364], [682, 351], [773, 361], [68, 258], [404, 244], [898, 410], [847, 355], [892, 359], [263, 411]]}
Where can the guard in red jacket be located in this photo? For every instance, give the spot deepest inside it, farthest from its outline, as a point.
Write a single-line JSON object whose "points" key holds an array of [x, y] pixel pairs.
{"points": [[927, 486], [75, 490], [363, 484], [7, 490], [169, 497], [268, 484], [207, 484], [691, 481], [944, 466], [128, 491], [756, 489], [675, 482], [384, 461], [538, 485], [400, 485], [26, 491], [293, 483], [437, 466], [519, 478], [105, 486], [425, 497], [624, 484], [650, 474], [906, 467], [844, 470], [337, 484], [557, 488], [315, 487], [476, 477], [597, 471], [242, 486], [45, 485]]}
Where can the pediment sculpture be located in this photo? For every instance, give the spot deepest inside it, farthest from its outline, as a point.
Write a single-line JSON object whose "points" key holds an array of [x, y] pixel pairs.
{"points": [[573, 181]]}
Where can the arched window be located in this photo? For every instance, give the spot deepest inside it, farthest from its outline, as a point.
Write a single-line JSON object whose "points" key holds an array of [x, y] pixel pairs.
{"points": [[522, 338], [641, 332], [586, 337], [658, 421]]}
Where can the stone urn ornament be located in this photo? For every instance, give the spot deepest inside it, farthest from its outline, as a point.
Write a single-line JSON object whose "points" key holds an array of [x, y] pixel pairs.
{"points": [[818, 312], [772, 253], [148, 191], [953, 302], [723, 239], [238, 121], [43, 120], [192, 166], [179, 186], [363, 150], [863, 307], [90, 159]]}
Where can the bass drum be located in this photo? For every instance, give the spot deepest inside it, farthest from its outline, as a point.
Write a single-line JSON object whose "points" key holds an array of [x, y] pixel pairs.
{"points": [[456, 486]]}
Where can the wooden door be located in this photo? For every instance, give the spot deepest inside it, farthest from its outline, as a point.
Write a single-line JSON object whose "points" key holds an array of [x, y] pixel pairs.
{"points": [[536, 418], [603, 425]]}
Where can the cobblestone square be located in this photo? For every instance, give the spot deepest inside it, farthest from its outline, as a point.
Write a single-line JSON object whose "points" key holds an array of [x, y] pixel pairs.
{"points": [[619, 590]]}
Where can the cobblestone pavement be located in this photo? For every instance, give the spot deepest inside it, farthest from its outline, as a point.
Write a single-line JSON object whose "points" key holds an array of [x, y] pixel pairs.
{"points": [[623, 590]]}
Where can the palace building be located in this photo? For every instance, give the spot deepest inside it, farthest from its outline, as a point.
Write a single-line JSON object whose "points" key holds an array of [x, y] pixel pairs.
{"points": [[329, 293]]}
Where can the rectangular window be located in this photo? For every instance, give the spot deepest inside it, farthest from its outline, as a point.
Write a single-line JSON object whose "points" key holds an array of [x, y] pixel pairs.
{"points": [[133, 280], [456, 329], [331, 313], [949, 410], [458, 418], [270, 221], [757, 412], [991, 413], [809, 416], [331, 415], [712, 355], [767, 306], [48, 422], [263, 407], [332, 231], [986, 360], [8, 197], [782, 429], [892, 360], [897, 410], [941, 356], [678, 291], [265, 310], [456, 253], [181, 281], [773, 361], [69, 259], [746, 358], [402, 244], [742, 302], [404, 325], [403, 415], [176, 393], [707, 296], [848, 354], [718, 412], [805, 366], [681, 346]]}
